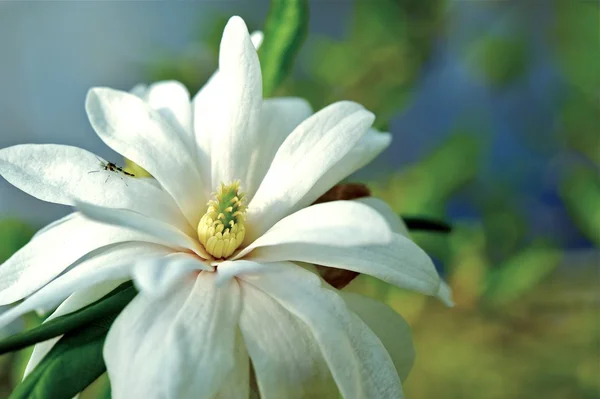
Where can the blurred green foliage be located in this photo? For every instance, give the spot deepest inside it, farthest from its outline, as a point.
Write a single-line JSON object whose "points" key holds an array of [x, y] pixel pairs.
{"points": [[577, 50], [13, 235], [379, 60], [425, 187], [520, 273], [581, 192], [577, 44], [498, 60]]}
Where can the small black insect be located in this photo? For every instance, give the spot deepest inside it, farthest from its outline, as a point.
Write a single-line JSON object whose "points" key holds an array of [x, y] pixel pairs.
{"points": [[111, 167]]}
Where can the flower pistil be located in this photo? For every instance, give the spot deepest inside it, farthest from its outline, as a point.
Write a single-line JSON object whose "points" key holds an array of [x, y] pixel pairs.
{"points": [[221, 230]]}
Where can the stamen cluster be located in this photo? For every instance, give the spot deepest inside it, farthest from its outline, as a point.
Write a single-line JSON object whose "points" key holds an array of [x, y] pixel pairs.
{"points": [[221, 230]]}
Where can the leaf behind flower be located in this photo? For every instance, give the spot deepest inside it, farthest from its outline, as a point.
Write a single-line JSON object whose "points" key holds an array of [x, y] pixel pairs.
{"points": [[109, 305]]}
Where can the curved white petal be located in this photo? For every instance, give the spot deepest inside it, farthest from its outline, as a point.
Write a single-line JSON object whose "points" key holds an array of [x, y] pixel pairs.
{"points": [[50, 253], [236, 134], [132, 128], [181, 345], [287, 359], [396, 224], [394, 221], [155, 276], [172, 100], [342, 224], [62, 174], [307, 154], [367, 149], [75, 302], [400, 262], [111, 264], [389, 326], [162, 232], [279, 117], [357, 359]]}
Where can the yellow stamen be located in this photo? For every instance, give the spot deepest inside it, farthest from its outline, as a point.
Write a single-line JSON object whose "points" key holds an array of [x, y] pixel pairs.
{"points": [[221, 230]]}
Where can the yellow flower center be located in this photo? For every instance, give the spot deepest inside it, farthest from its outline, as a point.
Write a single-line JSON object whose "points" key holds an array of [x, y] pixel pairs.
{"points": [[221, 229]]}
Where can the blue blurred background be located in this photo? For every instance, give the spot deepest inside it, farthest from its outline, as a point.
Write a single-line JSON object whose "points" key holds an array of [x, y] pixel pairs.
{"points": [[494, 108]]}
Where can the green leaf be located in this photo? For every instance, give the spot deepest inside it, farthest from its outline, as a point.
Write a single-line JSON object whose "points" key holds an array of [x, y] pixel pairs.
{"points": [[99, 389], [72, 364], [285, 30], [109, 305]]}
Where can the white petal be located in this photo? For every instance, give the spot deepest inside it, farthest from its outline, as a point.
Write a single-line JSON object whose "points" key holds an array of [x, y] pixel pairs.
{"points": [[286, 357], [397, 225], [78, 300], [341, 224], [369, 147], [257, 38], [57, 223], [112, 264], [400, 262], [389, 326], [229, 269], [236, 132], [172, 100], [139, 90], [394, 221], [49, 254], [206, 113], [179, 346], [129, 126], [155, 276], [312, 149], [357, 359], [62, 174], [237, 383], [279, 117], [163, 233], [444, 294]]}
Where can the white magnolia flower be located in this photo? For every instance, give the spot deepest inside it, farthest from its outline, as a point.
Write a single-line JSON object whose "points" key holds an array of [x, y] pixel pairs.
{"points": [[224, 278]]}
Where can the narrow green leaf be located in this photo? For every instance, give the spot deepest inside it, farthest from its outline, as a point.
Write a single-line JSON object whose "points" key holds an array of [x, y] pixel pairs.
{"points": [[285, 30], [108, 305], [72, 364]]}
